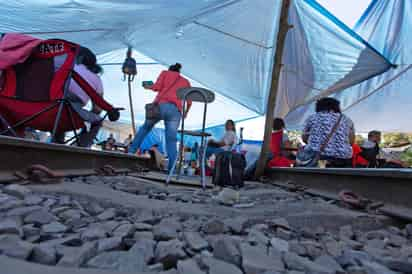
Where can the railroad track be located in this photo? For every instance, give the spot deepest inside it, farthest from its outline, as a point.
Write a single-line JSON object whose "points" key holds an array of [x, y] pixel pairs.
{"points": [[21, 158], [389, 189]]}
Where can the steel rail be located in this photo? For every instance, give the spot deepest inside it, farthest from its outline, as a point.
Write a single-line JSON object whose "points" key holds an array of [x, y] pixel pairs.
{"points": [[18, 155], [392, 187]]}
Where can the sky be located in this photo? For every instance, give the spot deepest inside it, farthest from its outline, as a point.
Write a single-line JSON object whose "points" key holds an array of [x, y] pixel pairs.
{"points": [[348, 11]]}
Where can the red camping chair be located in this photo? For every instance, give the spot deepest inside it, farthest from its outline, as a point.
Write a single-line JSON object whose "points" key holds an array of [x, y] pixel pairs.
{"points": [[33, 93]]}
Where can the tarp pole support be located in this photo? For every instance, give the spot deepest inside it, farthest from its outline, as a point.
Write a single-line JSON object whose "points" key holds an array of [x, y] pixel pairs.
{"points": [[129, 85], [277, 67]]}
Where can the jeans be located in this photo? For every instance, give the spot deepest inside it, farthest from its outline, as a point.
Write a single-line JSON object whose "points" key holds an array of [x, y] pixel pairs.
{"points": [[170, 114]]}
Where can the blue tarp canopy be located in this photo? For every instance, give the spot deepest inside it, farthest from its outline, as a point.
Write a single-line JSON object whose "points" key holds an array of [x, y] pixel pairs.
{"points": [[384, 102], [225, 45]]}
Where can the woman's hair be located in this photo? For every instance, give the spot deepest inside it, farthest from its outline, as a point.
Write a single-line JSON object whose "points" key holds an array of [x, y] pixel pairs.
{"points": [[278, 124], [176, 67], [88, 58], [231, 122], [328, 105]]}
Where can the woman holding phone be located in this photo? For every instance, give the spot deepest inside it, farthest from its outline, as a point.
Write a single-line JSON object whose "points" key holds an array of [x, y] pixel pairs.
{"points": [[166, 86]]}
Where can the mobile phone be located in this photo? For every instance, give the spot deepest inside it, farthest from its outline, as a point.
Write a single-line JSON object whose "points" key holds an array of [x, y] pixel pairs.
{"points": [[147, 83]]}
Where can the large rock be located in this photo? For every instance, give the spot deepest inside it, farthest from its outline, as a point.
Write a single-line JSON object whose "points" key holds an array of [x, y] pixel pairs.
{"points": [[214, 227], [124, 230], [121, 261], [94, 233], [195, 241], [352, 258], [215, 266], [31, 200], [226, 249], [93, 208], [40, 217], [54, 227], [143, 227], [346, 232], [396, 240], [145, 248], [313, 248], [330, 263], [31, 233], [23, 211], [257, 237], [8, 202], [79, 255], [18, 191], [72, 240], [12, 246], [109, 260], [11, 226], [236, 225], [108, 214], [70, 214], [169, 252], [398, 265], [148, 235], [166, 230], [279, 244], [297, 247], [333, 247], [109, 244], [375, 268], [255, 260], [44, 254], [408, 230], [148, 218], [188, 267], [109, 226], [296, 262]]}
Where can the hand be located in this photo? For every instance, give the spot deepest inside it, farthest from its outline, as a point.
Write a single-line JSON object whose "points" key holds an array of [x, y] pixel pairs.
{"points": [[185, 115], [114, 115]]}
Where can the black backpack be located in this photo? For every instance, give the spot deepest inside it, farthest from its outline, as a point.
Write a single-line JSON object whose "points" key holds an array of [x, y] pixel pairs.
{"points": [[229, 169]]}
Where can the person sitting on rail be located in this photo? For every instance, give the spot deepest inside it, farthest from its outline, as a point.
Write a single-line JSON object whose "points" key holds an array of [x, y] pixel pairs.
{"points": [[331, 130], [368, 155], [280, 154], [226, 143], [280, 146], [128, 140], [86, 66]]}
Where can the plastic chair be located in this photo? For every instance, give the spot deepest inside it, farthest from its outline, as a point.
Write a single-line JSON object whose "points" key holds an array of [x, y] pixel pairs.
{"points": [[201, 95]]}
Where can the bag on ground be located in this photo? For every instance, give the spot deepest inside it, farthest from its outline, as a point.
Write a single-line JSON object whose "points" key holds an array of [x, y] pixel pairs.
{"points": [[229, 169]]}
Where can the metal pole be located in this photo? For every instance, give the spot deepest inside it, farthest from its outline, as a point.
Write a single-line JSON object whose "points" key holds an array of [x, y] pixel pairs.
{"points": [[203, 146], [280, 44], [182, 138], [129, 83]]}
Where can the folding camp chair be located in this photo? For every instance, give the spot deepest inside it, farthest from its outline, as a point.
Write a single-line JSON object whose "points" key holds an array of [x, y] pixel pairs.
{"points": [[34, 93], [201, 95]]}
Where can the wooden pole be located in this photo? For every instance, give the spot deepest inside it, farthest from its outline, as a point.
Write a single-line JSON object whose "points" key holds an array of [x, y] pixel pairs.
{"points": [[280, 44], [129, 82]]}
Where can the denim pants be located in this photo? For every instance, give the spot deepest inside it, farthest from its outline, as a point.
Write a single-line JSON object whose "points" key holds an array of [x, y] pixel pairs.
{"points": [[171, 116]]}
